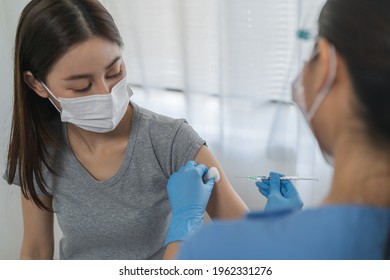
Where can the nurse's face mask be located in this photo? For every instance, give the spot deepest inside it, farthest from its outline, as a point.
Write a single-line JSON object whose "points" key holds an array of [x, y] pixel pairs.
{"points": [[99, 113], [298, 93]]}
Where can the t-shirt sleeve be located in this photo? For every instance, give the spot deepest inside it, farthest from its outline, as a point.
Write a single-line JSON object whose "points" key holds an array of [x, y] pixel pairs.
{"points": [[57, 129], [16, 182], [174, 142], [185, 146]]}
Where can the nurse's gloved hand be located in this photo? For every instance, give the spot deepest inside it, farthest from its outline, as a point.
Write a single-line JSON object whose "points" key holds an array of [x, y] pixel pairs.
{"points": [[189, 196], [281, 194]]}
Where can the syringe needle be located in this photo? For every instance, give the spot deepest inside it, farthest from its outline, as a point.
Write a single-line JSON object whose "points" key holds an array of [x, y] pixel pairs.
{"points": [[291, 178]]}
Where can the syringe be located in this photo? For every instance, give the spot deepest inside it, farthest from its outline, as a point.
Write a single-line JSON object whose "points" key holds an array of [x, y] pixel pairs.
{"points": [[291, 178]]}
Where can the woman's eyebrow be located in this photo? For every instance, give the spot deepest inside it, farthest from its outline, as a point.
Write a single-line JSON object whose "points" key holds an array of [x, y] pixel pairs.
{"points": [[89, 76], [113, 62]]}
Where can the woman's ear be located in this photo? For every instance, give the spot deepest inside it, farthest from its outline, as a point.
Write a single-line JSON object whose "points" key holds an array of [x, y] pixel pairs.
{"points": [[323, 64], [341, 76], [35, 84]]}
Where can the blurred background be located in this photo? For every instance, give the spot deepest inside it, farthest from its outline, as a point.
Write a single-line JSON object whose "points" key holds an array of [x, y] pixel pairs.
{"points": [[224, 65]]}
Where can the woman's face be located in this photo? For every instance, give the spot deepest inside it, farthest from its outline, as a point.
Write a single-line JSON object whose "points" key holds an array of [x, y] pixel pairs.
{"points": [[92, 67]]}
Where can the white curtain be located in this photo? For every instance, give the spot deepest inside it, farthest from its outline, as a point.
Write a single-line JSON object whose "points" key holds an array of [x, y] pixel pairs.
{"points": [[238, 48], [227, 66]]}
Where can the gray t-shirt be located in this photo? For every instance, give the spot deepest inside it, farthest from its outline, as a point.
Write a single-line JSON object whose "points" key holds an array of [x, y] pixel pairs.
{"points": [[126, 216]]}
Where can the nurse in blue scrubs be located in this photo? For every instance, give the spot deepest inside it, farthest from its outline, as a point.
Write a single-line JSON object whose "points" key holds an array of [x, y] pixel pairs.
{"points": [[344, 93]]}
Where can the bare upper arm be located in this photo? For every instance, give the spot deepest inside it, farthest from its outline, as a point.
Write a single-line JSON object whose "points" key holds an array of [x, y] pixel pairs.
{"points": [[224, 201], [38, 237]]}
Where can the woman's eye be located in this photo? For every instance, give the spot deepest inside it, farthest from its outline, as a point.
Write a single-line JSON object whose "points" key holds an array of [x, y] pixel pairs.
{"points": [[83, 89], [114, 75]]}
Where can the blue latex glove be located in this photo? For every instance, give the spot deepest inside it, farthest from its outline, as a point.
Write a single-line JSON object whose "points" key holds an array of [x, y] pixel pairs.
{"points": [[189, 196], [281, 195]]}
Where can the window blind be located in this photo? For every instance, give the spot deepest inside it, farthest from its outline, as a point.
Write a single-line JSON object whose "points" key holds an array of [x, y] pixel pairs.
{"points": [[233, 48]]}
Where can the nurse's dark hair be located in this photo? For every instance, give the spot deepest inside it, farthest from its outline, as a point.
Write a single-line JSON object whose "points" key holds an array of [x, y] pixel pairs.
{"points": [[360, 31], [47, 29]]}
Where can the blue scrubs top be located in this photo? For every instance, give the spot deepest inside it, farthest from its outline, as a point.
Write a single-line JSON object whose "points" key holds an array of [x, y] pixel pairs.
{"points": [[326, 233]]}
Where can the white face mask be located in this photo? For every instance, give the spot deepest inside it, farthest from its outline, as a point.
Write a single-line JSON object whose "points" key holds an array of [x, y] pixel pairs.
{"points": [[97, 113], [298, 96]]}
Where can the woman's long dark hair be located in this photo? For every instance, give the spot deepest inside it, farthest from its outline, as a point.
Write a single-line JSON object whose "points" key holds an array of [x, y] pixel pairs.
{"points": [[360, 31], [46, 31]]}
